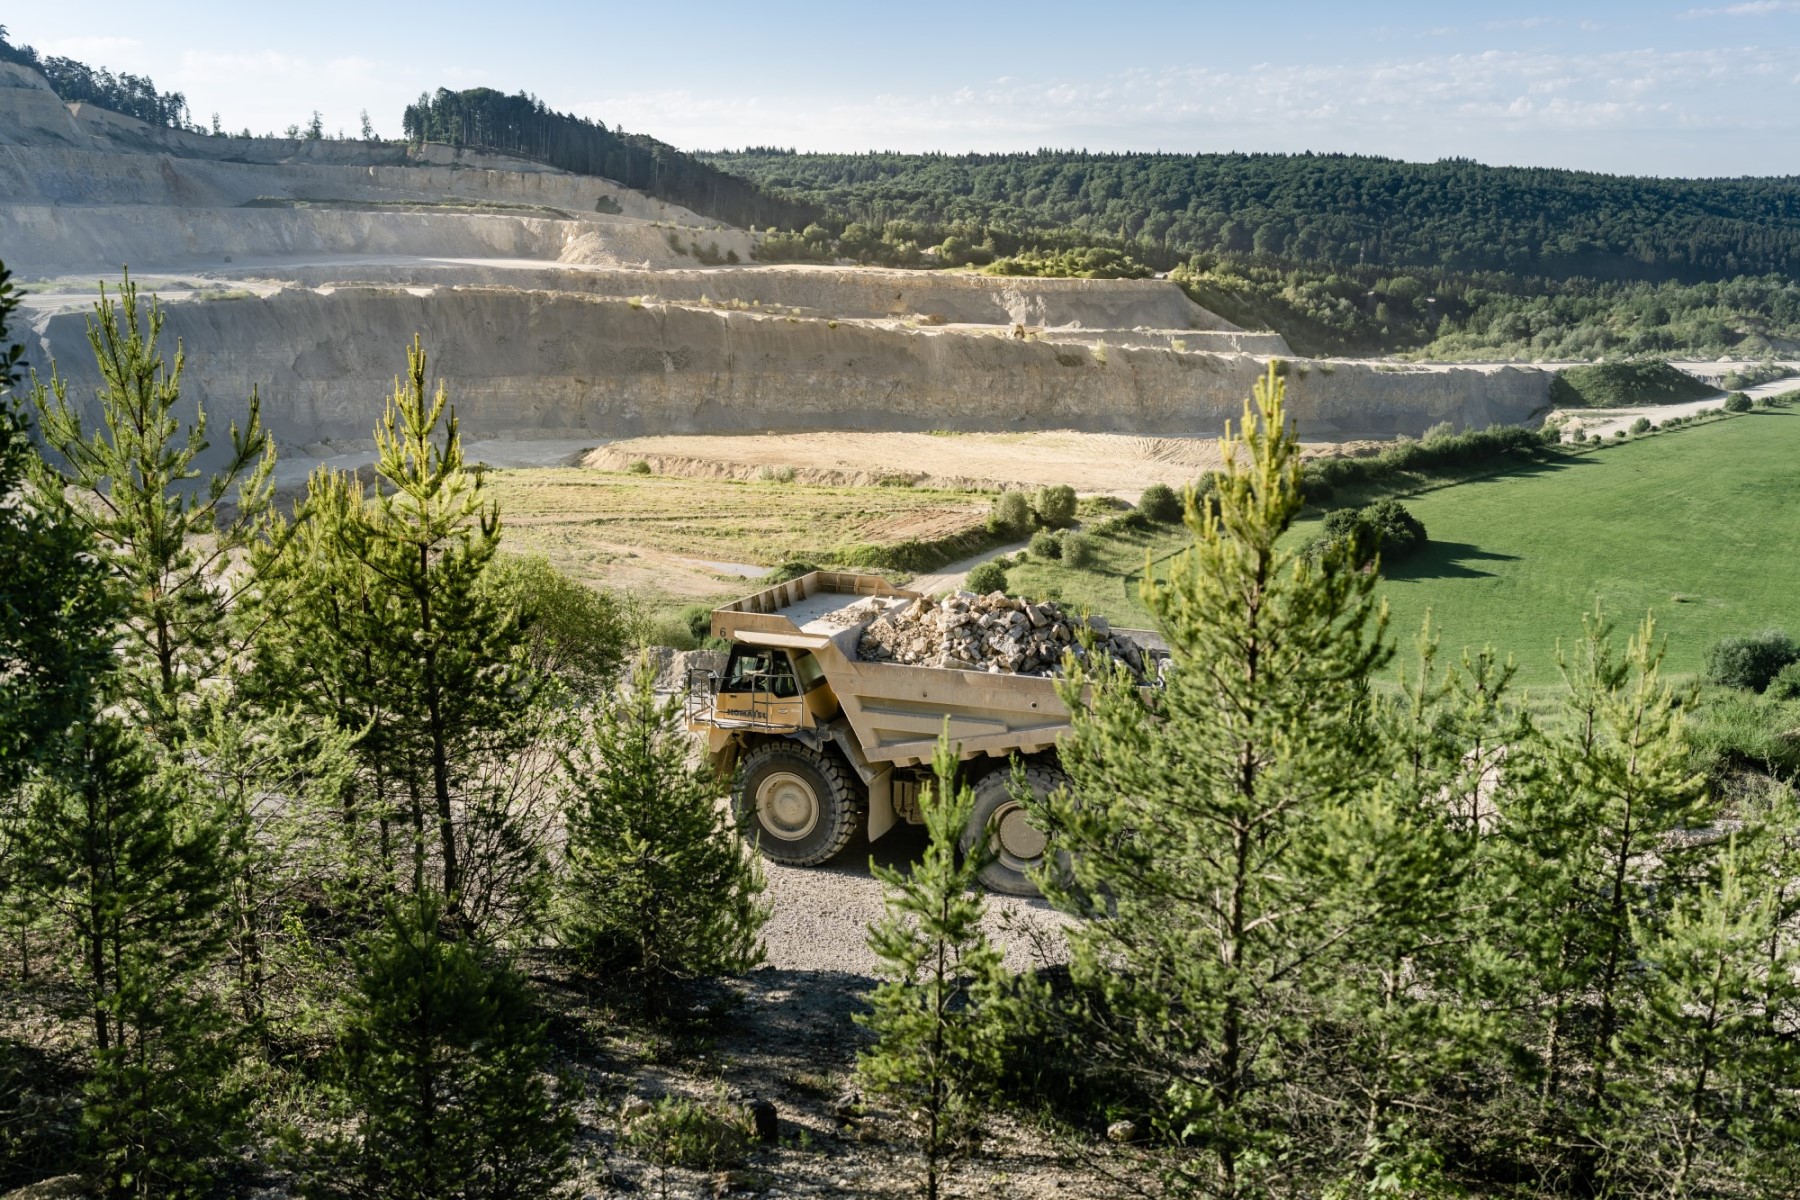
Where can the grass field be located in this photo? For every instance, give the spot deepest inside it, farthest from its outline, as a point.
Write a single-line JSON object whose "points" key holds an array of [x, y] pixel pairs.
{"points": [[1699, 525], [677, 538]]}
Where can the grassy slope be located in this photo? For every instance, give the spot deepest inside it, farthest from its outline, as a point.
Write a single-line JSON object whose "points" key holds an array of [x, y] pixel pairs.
{"points": [[1699, 526], [1708, 514]]}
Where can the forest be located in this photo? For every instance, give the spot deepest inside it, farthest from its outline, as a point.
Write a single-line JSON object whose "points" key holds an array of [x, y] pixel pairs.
{"points": [[521, 125], [344, 853], [133, 95], [1329, 210]]}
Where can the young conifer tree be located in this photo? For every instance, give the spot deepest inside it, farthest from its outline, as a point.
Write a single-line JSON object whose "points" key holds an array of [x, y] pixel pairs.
{"points": [[1214, 846], [328, 652], [1677, 1128], [168, 543], [56, 608], [1591, 846], [118, 850], [937, 1015], [442, 1071], [453, 650], [657, 887]]}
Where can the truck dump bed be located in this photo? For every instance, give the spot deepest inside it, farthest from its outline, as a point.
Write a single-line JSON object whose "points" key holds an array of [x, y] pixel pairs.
{"points": [[896, 711]]}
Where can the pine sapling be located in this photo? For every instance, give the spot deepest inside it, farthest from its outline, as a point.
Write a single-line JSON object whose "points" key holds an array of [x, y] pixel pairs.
{"points": [[658, 887], [936, 1016]]}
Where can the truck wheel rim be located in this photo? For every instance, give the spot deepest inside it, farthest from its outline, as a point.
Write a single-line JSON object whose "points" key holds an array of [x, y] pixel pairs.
{"points": [[786, 806], [1020, 844]]}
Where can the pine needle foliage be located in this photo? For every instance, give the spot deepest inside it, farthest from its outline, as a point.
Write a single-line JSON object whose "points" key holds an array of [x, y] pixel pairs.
{"points": [[57, 609], [938, 1014], [1595, 836], [442, 1070], [454, 648], [168, 542], [657, 887], [1213, 846], [132, 866]]}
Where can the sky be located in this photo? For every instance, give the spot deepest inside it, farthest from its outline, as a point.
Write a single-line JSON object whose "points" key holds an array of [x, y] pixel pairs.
{"points": [[1706, 87]]}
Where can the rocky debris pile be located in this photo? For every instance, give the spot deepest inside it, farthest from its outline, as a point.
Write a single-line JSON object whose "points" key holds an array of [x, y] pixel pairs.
{"points": [[997, 633]]}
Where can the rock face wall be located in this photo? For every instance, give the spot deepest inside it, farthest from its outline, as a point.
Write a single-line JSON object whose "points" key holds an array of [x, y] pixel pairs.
{"points": [[523, 364]]}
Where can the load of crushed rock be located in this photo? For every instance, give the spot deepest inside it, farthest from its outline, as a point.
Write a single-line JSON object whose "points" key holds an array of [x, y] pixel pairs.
{"points": [[997, 633]]}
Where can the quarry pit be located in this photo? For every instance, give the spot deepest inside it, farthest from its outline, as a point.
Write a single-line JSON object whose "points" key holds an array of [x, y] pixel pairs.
{"points": [[568, 311]]}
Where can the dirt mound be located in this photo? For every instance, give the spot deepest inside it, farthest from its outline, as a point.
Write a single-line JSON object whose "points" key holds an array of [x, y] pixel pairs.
{"points": [[1000, 634]]}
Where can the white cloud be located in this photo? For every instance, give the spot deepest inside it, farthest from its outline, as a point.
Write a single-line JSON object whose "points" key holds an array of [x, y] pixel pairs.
{"points": [[1753, 8], [1422, 106]]}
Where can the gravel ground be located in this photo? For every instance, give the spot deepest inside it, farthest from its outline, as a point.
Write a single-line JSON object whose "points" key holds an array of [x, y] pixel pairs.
{"points": [[821, 914]]}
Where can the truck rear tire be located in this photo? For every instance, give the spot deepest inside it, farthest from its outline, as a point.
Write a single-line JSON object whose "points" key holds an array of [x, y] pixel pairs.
{"points": [[1018, 845], [798, 805]]}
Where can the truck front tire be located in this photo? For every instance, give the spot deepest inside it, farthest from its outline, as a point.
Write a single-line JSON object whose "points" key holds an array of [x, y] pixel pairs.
{"points": [[1018, 846], [798, 805]]}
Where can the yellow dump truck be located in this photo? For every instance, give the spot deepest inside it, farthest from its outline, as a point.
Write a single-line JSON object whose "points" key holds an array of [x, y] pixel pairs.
{"points": [[822, 743]]}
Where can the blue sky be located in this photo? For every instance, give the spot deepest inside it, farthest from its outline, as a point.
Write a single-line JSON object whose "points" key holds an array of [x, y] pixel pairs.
{"points": [[1708, 87]]}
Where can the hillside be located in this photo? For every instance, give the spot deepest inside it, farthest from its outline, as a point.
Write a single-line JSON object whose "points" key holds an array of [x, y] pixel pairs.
{"points": [[1324, 209]]}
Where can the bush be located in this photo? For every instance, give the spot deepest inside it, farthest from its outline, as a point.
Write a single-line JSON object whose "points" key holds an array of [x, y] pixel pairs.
{"points": [[1398, 533], [678, 1132], [638, 467], [988, 577], [1750, 662], [1737, 402], [1160, 503], [1642, 425], [1046, 545], [1322, 476], [442, 1068], [1786, 684], [1081, 551], [1011, 513], [576, 632], [1055, 505], [1384, 527]]}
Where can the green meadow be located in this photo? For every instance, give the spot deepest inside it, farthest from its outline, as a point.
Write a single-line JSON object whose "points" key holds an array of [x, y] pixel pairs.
{"points": [[1699, 525]]}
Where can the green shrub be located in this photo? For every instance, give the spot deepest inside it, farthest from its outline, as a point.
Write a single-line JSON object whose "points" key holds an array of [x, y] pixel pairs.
{"points": [[1642, 425], [1160, 503], [1786, 684], [1322, 476], [442, 1069], [576, 632], [1737, 402], [1011, 513], [1751, 661], [1046, 545], [678, 1132], [1081, 550], [1397, 531], [1055, 505], [1384, 527], [638, 467], [986, 578]]}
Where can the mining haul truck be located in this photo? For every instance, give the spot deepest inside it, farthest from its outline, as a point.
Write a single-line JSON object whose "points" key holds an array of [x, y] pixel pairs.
{"points": [[822, 743]]}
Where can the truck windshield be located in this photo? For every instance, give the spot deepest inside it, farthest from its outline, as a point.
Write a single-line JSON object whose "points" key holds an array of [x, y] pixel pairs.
{"points": [[756, 669]]}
